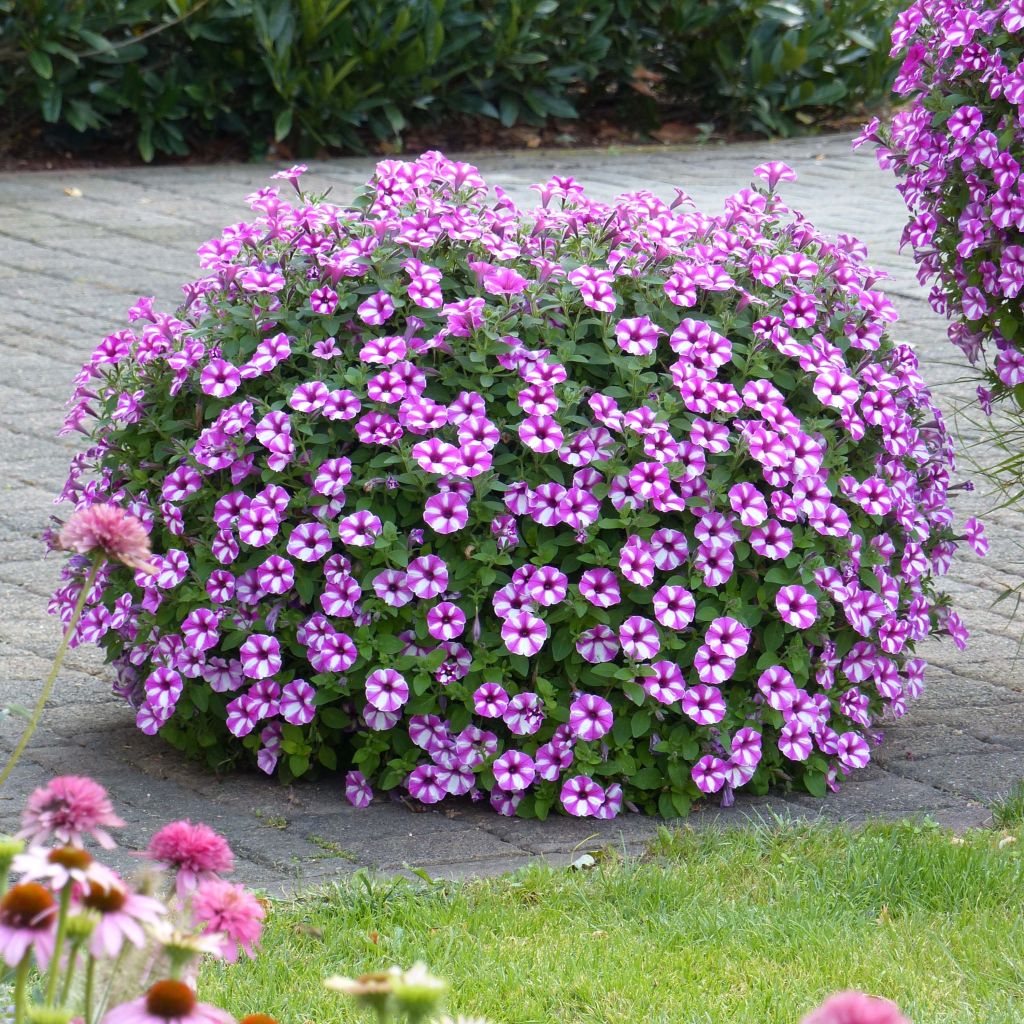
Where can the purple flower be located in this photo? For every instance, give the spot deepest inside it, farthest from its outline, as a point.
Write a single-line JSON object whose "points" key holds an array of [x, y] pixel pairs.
{"points": [[704, 704], [261, 656], [598, 644], [445, 621], [446, 512], [709, 773], [582, 797], [386, 689], [425, 784], [775, 171], [590, 716], [513, 771], [427, 576], [523, 633], [296, 702], [796, 606], [357, 790], [600, 588], [639, 638], [490, 700]]}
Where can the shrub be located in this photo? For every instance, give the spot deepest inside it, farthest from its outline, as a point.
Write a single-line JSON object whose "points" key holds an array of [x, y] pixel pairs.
{"points": [[957, 150], [338, 74], [607, 503], [765, 67]]}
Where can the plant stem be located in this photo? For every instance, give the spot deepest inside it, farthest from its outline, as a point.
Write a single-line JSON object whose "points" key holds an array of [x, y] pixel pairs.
{"points": [[72, 964], [37, 713], [58, 944], [20, 978], [90, 975]]}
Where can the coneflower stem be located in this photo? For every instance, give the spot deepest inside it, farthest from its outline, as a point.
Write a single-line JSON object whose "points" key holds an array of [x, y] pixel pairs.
{"points": [[37, 712], [58, 943]]}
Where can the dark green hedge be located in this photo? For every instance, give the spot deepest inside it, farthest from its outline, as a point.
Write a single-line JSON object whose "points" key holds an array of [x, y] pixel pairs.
{"points": [[336, 73]]}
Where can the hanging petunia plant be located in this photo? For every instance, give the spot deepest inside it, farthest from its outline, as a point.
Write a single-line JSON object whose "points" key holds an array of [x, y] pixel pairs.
{"points": [[599, 505]]}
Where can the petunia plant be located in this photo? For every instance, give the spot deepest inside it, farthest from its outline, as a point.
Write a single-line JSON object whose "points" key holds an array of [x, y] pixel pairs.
{"points": [[596, 505], [957, 149]]}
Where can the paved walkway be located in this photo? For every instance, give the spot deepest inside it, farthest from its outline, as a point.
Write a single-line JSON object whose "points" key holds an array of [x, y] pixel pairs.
{"points": [[75, 251]]}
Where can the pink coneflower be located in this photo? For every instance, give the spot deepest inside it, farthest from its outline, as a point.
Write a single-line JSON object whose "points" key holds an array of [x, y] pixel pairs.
{"points": [[122, 913], [110, 529], [28, 921], [856, 1008], [67, 808], [57, 867], [233, 912], [166, 1002], [196, 852]]}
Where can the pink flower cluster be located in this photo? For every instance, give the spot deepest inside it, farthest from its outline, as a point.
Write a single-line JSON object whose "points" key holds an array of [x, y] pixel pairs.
{"points": [[56, 877], [599, 505], [957, 150]]}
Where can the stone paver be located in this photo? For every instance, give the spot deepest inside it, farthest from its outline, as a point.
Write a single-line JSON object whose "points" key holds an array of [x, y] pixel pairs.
{"points": [[70, 266]]}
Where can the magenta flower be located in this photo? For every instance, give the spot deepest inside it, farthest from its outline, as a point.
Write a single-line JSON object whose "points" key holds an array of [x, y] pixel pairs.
{"points": [[663, 680], [600, 587], [709, 773], [513, 771], [446, 621], [547, 586], [297, 702], [357, 790], [386, 689], [376, 309], [261, 656], [426, 577], [360, 529], [775, 171], [523, 633], [598, 644], [231, 913], [796, 606], [590, 716], [582, 797], [637, 336], [704, 704], [446, 512], [490, 700], [639, 638], [674, 607]]}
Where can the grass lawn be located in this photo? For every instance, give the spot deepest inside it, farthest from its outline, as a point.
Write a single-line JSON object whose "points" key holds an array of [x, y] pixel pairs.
{"points": [[736, 927]]}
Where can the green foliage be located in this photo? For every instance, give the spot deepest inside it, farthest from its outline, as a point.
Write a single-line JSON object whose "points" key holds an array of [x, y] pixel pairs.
{"points": [[338, 73]]}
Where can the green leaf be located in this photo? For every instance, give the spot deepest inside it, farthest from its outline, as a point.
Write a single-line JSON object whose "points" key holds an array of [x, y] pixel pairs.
{"points": [[283, 124], [41, 64]]}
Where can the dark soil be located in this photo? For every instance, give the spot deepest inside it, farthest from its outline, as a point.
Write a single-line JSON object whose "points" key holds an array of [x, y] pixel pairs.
{"points": [[68, 150]]}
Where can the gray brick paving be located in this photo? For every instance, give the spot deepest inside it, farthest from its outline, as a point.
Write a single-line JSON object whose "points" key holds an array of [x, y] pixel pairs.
{"points": [[70, 266]]}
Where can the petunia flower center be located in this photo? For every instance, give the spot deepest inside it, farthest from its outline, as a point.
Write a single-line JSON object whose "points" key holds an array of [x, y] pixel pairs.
{"points": [[170, 1000], [28, 905]]}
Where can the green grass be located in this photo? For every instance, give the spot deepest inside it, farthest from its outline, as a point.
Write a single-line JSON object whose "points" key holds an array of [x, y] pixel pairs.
{"points": [[737, 927]]}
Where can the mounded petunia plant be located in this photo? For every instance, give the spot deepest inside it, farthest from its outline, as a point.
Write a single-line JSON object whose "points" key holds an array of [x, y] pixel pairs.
{"points": [[602, 505], [957, 147]]}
